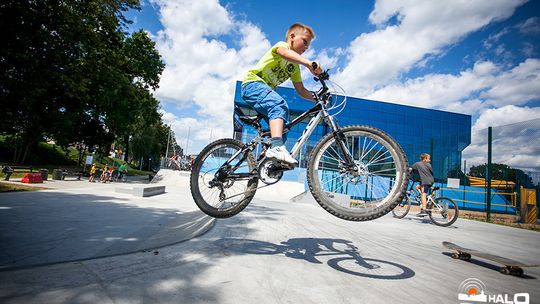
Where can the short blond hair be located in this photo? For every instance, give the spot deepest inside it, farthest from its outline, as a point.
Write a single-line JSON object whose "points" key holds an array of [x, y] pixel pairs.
{"points": [[300, 27]]}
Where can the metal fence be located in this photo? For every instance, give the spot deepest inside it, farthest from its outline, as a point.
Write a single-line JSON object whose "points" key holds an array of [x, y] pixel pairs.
{"points": [[500, 172]]}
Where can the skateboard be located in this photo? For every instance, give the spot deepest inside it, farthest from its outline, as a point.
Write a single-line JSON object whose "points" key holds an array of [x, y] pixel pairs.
{"points": [[510, 266]]}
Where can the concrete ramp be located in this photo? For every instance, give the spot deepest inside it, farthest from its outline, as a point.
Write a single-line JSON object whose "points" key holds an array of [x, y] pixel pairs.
{"points": [[172, 178], [282, 191], [304, 198], [54, 226]]}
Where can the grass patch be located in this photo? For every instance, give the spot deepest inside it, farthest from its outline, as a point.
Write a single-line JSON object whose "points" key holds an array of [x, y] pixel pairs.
{"points": [[8, 187]]}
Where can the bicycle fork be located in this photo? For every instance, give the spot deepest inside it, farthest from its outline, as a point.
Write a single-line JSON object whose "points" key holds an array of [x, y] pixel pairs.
{"points": [[340, 139]]}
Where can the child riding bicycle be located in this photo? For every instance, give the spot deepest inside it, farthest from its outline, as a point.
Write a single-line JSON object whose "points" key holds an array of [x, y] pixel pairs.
{"points": [[277, 65], [424, 169]]}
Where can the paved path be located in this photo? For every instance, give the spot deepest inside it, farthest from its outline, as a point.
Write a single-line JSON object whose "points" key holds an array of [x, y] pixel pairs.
{"points": [[291, 252]]}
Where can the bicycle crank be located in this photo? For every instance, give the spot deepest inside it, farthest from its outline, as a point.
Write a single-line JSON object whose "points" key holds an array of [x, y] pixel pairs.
{"points": [[271, 172]]}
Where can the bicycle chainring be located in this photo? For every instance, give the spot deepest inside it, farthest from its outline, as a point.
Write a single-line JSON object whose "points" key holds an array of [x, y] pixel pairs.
{"points": [[268, 173]]}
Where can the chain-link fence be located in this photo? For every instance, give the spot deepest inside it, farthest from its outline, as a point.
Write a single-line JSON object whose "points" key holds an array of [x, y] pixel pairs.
{"points": [[511, 183]]}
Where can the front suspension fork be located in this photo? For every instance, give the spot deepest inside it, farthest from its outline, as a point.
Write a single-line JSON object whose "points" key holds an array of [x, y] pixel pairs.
{"points": [[340, 139]]}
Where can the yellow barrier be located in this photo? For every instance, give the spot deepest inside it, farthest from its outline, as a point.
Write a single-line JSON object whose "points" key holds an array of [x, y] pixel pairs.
{"points": [[477, 203], [528, 205], [531, 216], [513, 195]]}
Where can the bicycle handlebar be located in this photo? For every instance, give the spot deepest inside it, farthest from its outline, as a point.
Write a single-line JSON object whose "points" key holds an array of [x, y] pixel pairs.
{"points": [[323, 76], [322, 93]]}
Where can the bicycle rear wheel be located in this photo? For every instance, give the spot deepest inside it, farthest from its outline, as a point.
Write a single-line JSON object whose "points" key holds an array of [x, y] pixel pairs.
{"points": [[376, 187], [221, 185], [402, 209], [444, 212]]}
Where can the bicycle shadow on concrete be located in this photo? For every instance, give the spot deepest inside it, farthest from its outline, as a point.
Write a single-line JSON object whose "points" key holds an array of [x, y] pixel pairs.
{"points": [[491, 266], [341, 255]]}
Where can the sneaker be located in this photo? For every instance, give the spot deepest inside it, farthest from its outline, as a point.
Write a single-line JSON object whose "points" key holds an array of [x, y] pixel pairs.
{"points": [[422, 213], [281, 154]]}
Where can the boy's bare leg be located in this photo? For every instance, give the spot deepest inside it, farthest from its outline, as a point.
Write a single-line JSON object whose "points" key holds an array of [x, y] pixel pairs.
{"points": [[276, 127], [424, 200], [278, 151]]}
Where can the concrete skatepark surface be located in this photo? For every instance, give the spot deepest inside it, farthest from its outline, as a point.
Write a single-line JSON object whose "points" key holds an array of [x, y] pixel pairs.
{"points": [[275, 251], [78, 220]]}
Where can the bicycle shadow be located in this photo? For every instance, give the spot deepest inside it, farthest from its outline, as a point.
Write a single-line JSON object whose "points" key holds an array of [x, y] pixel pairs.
{"points": [[345, 256]]}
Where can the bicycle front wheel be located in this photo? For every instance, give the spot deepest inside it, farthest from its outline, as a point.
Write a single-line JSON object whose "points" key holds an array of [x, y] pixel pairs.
{"points": [[444, 212], [374, 188], [223, 178]]}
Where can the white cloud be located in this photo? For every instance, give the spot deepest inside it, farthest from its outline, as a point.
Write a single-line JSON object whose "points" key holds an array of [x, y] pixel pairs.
{"points": [[424, 28], [505, 115], [516, 137], [472, 90], [516, 86], [530, 26], [438, 90]]}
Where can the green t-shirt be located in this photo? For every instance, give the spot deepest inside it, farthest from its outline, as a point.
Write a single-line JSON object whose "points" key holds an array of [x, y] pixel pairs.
{"points": [[273, 69]]}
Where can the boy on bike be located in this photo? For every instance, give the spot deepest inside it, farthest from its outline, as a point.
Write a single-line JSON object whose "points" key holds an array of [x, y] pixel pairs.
{"points": [[121, 171], [424, 169], [279, 63]]}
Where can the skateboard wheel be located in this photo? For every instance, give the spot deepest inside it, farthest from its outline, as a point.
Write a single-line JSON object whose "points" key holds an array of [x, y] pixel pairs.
{"points": [[517, 272], [455, 256], [505, 270], [466, 257]]}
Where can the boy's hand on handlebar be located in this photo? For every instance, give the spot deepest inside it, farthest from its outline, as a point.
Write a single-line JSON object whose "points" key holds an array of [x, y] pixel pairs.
{"points": [[315, 68]]}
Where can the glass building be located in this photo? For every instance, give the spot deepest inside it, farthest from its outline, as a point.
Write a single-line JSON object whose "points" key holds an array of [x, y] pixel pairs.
{"points": [[442, 134]]}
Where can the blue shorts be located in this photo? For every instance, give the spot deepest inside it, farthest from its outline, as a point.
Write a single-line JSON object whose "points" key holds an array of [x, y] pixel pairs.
{"points": [[264, 100], [426, 189]]}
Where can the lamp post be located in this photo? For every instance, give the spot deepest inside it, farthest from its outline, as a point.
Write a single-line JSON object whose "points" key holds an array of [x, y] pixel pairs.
{"points": [[168, 138], [187, 140]]}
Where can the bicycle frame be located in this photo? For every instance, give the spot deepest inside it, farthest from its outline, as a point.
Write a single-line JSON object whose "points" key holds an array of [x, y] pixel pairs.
{"points": [[319, 113]]}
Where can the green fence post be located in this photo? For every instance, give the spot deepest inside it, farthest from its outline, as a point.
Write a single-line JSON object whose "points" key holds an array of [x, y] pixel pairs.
{"points": [[488, 177], [464, 181]]}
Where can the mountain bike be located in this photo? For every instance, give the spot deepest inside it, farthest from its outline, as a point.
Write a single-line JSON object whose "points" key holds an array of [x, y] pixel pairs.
{"points": [[356, 173], [442, 211]]}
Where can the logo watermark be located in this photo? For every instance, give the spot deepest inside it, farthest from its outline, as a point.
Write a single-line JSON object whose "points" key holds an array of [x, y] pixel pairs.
{"points": [[473, 291]]}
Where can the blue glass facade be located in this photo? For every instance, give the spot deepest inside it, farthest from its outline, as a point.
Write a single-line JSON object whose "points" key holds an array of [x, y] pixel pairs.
{"points": [[442, 134]]}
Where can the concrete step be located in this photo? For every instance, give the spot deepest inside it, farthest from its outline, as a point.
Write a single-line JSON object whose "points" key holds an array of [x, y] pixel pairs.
{"points": [[142, 191]]}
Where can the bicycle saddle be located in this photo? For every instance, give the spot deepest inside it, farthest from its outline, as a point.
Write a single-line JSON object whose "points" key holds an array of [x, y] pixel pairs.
{"points": [[250, 120], [435, 188]]}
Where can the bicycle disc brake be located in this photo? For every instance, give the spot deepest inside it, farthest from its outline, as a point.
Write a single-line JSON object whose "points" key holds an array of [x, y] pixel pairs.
{"points": [[270, 172]]}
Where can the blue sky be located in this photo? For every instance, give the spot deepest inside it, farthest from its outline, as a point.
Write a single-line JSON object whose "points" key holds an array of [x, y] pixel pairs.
{"points": [[474, 57]]}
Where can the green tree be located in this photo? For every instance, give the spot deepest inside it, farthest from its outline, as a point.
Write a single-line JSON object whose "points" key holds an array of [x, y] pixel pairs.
{"points": [[150, 143], [142, 68], [71, 73]]}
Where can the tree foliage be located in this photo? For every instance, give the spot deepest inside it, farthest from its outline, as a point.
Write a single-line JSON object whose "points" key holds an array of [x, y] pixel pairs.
{"points": [[503, 172], [71, 73]]}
